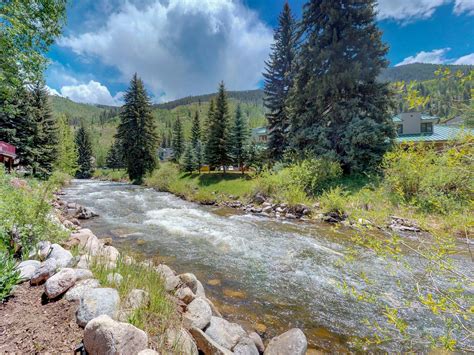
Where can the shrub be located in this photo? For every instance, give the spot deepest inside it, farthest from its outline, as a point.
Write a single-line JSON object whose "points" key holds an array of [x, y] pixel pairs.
{"points": [[334, 200], [163, 177], [9, 277], [433, 181]]}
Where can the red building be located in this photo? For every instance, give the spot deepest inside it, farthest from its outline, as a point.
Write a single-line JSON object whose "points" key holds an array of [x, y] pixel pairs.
{"points": [[7, 155]]}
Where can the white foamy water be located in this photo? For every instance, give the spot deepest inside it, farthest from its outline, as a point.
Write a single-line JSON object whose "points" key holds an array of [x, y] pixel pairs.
{"points": [[279, 265]]}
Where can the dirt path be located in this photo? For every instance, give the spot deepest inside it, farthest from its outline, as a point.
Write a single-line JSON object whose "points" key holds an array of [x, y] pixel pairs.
{"points": [[28, 326]]}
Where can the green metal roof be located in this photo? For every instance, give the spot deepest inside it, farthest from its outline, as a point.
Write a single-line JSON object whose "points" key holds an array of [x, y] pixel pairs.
{"points": [[260, 130], [440, 133], [423, 118]]}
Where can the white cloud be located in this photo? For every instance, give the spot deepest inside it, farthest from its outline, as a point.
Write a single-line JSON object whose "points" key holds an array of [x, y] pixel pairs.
{"points": [[91, 93], [405, 10], [464, 6], [466, 60], [181, 47], [437, 56]]}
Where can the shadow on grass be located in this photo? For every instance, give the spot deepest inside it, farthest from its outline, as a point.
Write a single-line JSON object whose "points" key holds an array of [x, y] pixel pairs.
{"points": [[354, 183]]}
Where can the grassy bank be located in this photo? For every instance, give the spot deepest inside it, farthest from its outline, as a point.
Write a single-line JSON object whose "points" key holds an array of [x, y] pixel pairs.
{"points": [[26, 217], [111, 175]]}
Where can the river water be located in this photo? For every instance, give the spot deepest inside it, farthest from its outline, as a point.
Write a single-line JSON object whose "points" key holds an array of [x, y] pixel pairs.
{"points": [[259, 272]]}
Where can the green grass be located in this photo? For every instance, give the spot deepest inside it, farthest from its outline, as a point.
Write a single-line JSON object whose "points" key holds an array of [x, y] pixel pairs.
{"points": [[111, 175], [160, 313]]}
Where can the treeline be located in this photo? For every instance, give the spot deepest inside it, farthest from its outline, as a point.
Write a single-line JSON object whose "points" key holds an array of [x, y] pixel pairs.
{"points": [[321, 87], [418, 72]]}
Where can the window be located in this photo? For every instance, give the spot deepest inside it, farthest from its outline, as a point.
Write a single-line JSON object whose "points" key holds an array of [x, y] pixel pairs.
{"points": [[399, 129], [427, 127]]}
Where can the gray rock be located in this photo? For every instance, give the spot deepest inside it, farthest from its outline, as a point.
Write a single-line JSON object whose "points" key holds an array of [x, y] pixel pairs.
{"points": [[109, 253], [59, 283], [27, 269], [215, 311], [171, 283], [62, 256], [114, 278], [200, 290], [165, 271], [224, 333], [44, 272], [257, 339], [189, 280], [198, 314], [206, 344], [80, 289], [245, 346], [290, 216], [185, 295], [293, 342], [104, 335], [43, 248], [82, 236], [136, 299], [96, 302], [92, 246], [180, 341], [83, 262], [83, 274], [148, 352]]}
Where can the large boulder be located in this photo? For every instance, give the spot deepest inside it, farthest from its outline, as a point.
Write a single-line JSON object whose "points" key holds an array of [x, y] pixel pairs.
{"points": [[185, 295], [27, 269], [83, 262], [136, 299], [80, 289], [97, 302], [103, 335], [165, 271], [82, 236], [43, 249], [189, 280], [84, 213], [198, 314], [62, 256], [83, 274], [180, 341], [44, 272], [59, 283], [93, 245], [109, 253], [245, 346], [206, 344], [257, 339], [224, 333], [293, 342]]}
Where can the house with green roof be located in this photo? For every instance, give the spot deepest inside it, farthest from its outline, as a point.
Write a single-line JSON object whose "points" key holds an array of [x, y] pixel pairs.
{"points": [[418, 127]]}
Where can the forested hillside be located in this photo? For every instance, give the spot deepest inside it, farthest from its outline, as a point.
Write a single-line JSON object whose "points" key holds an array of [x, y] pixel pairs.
{"points": [[417, 72]]}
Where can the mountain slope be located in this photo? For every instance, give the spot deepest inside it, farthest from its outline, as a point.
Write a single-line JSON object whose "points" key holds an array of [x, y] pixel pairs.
{"points": [[418, 72]]}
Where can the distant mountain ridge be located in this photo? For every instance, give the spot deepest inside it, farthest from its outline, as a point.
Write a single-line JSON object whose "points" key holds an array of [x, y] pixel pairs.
{"points": [[418, 72]]}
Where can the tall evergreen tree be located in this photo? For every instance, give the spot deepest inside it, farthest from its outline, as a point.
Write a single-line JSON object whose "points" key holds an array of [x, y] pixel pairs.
{"points": [[67, 157], [46, 131], [196, 130], [239, 139], [188, 163], [115, 158], [338, 109], [137, 132], [84, 149], [278, 81], [210, 117], [217, 148], [178, 140]]}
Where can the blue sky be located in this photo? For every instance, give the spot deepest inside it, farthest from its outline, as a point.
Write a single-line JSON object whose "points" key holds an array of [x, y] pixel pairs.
{"points": [[185, 47]]}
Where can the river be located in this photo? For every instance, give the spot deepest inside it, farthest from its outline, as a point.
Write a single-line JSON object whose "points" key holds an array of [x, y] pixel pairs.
{"points": [[259, 272]]}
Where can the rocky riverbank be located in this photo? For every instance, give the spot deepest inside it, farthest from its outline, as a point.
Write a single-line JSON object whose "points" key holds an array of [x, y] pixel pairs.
{"points": [[103, 314]]}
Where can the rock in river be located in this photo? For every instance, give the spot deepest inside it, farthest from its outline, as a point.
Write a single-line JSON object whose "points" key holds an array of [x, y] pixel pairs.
{"points": [[224, 333], [198, 314], [293, 342]]}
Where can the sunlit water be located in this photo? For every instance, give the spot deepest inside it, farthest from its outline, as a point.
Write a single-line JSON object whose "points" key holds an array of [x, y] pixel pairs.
{"points": [[261, 271]]}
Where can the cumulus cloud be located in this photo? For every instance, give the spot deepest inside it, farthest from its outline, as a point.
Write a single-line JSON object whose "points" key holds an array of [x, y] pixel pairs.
{"points": [[404, 10], [91, 93], [462, 6], [181, 47], [465, 60], [437, 56]]}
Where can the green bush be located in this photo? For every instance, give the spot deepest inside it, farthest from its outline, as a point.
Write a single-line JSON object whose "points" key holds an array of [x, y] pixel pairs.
{"points": [[334, 200], [25, 213], [432, 180], [163, 178], [9, 277]]}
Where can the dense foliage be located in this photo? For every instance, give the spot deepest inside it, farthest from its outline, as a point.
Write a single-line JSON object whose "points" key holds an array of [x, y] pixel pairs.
{"points": [[67, 155], [137, 132], [85, 166]]}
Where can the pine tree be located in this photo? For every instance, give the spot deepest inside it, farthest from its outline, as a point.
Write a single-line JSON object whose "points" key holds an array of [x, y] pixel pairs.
{"points": [[84, 149], [115, 158], [188, 162], [209, 119], [338, 109], [239, 139], [137, 132], [178, 140], [196, 130], [278, 81], [67, 156], [46, 132], [217, 148]]}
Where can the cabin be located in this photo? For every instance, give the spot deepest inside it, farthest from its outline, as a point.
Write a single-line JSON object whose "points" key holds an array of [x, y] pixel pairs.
{"points": [[260, 135], [7, 155], [417, 128]]}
